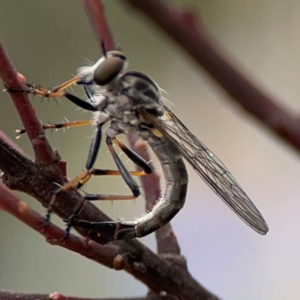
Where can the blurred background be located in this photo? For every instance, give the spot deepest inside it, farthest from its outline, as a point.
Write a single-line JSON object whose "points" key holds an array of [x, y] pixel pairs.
{"points": [[48, 40]]}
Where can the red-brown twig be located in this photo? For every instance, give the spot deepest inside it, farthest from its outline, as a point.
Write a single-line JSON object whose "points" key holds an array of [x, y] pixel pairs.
{"points": [[39, 181], [165, 275], [9, 295], [166, 239], [11, 143], [161, 275], [13, 80], [198, 43], [156, 272], [95, 13]]}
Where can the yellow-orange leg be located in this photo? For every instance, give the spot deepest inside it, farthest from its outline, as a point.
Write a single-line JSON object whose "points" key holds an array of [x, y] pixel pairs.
{"points": [[81, 180], [87, 174], [58, 126], [55, 92], [139, 161], [59, 91]]}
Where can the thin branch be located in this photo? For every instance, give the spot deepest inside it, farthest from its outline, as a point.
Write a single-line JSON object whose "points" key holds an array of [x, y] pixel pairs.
{"points": [[11, 143], [166, 239], [165, 275], [40, 181], [95, 13], [104, 254], [182, 27], [13, 80], [156, 272], [10, 295]]}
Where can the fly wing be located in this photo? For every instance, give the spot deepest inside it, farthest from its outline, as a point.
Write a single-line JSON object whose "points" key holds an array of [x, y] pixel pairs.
{"points": [[209, 167]]}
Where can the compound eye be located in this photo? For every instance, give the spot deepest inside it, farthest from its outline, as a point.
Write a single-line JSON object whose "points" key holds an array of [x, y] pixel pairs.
{"points": [[108, 70]]}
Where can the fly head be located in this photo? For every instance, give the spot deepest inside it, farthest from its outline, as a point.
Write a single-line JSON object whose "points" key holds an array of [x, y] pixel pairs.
{"points": [[109, 68]]}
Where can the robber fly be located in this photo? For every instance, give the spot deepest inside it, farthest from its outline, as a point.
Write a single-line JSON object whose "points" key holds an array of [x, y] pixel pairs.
{"points": [[132, 103]]}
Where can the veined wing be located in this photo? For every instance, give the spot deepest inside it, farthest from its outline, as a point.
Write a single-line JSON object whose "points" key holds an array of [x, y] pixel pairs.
{"points": [[209, 167]]}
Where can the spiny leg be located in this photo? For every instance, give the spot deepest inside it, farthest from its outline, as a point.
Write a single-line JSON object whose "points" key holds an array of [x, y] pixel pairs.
{"points": [[44, 92], [86, 175], [117, 229], [139, 161], [134, 157], [94, 148], [65, 85], [59, 91], [58, 126], [113, 227], [55, 92]]}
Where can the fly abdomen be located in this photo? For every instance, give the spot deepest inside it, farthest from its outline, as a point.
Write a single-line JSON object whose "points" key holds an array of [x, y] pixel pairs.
{"points": [[173, 196]]}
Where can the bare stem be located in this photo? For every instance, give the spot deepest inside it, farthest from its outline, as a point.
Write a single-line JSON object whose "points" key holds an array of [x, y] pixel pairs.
{"points": [[201, 46], [156, 272], [166, 239], [165, 275], [11, 143], [9, 295], [13, 80], [95, 13]]}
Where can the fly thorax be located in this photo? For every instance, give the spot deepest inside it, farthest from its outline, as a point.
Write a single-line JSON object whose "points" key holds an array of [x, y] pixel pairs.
{"points": [[117, 127], [100, 101], [100, 117], [130, 118], [141, 89], [118, 105]]}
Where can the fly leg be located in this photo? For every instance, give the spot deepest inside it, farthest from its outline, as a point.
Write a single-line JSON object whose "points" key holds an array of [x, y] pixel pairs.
{"points": [[56, 92], [52, 126], [117, 229], [111, 227], [59, 91], [83, 177], [139, 161], [80, 180]]}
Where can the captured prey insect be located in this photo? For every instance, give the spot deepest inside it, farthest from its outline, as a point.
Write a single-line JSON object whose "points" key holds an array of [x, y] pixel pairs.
{"points": [[132, 103]]}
